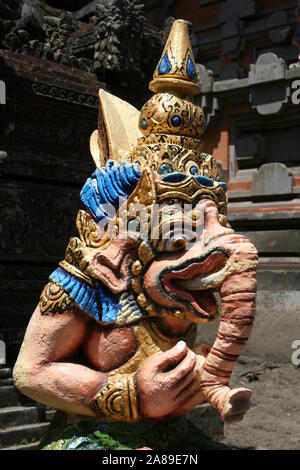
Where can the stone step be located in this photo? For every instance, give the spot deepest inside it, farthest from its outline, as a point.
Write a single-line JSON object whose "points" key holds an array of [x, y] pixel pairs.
{"points": [[5, 373], [22, 435], [18, 415], [9, 396], [33, 446], [7, 381], [50, 414]]}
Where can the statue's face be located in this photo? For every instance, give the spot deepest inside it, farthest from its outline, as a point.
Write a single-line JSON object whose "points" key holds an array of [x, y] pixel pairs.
{"points": [[188, 265], [160, 245]]}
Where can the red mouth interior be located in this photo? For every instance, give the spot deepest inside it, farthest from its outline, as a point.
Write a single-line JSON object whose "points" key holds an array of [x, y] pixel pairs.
{"points": [[203, 301]]}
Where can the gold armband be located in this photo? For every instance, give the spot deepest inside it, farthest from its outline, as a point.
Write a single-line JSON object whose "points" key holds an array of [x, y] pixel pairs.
{"points": [[55, 299], [117, 400]]}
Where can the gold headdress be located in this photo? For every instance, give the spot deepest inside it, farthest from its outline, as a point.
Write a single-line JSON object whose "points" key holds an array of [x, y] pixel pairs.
{"points": [[164, 138], [147, 157]]}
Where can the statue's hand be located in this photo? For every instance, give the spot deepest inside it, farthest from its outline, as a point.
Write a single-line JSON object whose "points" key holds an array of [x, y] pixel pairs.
{"points": [[163, 381]]}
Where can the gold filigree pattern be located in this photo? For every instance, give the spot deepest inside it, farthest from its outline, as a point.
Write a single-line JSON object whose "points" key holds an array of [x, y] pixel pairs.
{"points": [[77, 255], [191, 191], [166, 113], [87, 229], [76, 272], [180, 140], [117, 400], [176, 69], [54, 299], [175, 157]]}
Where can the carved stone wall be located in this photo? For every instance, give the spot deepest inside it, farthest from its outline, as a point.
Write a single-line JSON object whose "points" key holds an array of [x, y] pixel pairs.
{"points": [[113, 39], [230, 34], [45, 125], [52, 63]]}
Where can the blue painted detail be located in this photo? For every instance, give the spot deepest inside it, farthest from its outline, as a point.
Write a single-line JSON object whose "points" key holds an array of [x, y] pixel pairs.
{"points": [[164, 66], [80, 292], [194, 170], [176, 121], [175, 177], [224, 186], [143, 123], [110, 305], [205, 181], [190, 68], [107, 185], [164, 169], [99, 302]]}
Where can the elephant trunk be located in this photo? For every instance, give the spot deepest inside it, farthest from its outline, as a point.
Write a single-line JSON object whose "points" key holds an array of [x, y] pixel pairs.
{"points": [[238, 296]]}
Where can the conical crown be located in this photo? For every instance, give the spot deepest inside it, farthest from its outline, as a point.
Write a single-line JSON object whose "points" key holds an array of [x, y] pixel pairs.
{"points": [[176, 69]]}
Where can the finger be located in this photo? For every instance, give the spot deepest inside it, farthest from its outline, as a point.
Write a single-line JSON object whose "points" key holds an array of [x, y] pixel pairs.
{"points": [[188, 403], [170, 359], [188, 398], [184, 383], [182, 369]]}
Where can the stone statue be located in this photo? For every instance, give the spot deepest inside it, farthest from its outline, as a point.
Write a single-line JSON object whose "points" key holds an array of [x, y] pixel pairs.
{"points": [[112, 342]]}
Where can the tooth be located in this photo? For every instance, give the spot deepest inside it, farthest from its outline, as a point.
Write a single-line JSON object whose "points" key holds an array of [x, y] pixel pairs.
{"points": [[200, 282]]}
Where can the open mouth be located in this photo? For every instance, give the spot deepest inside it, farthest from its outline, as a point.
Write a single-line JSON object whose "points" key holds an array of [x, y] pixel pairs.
{"points": [[196, 282]]}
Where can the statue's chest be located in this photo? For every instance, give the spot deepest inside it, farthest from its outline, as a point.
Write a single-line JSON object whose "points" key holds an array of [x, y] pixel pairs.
{"points": [[107, 349], [123, 350]]}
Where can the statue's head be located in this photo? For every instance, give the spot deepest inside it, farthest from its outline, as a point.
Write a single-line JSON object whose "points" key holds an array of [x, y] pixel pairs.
{"points": [[154, 207]]}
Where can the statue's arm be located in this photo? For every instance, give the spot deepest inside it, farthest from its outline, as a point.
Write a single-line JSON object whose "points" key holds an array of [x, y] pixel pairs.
{"points": [[44, 370]]}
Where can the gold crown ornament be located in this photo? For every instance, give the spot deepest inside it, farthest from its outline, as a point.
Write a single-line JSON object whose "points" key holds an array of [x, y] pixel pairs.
{"points": [[164, 138]]}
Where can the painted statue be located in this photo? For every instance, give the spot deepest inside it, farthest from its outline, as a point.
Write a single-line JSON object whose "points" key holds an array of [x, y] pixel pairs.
{"points": [[112, 342]]}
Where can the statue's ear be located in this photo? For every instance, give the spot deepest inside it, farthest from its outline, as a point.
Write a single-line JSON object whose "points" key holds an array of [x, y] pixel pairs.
{"points": [[111, 265], [117, 130]]}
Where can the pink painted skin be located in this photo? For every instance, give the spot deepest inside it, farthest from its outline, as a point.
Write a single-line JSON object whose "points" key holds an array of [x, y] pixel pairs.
{"points": [[237, 289], [169, 383], [52, 379]]}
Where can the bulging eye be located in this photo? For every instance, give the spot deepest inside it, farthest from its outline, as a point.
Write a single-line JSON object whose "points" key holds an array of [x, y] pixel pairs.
{"points": [[192, 168], [164, 169], [175, 243], [178, 243]]}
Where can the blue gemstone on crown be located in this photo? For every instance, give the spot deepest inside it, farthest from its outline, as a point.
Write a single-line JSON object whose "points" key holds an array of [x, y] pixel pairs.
{"points": [[164, 66], [164, 169], [144, 124], [194, 170], [176, 121], [190, 68]]}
